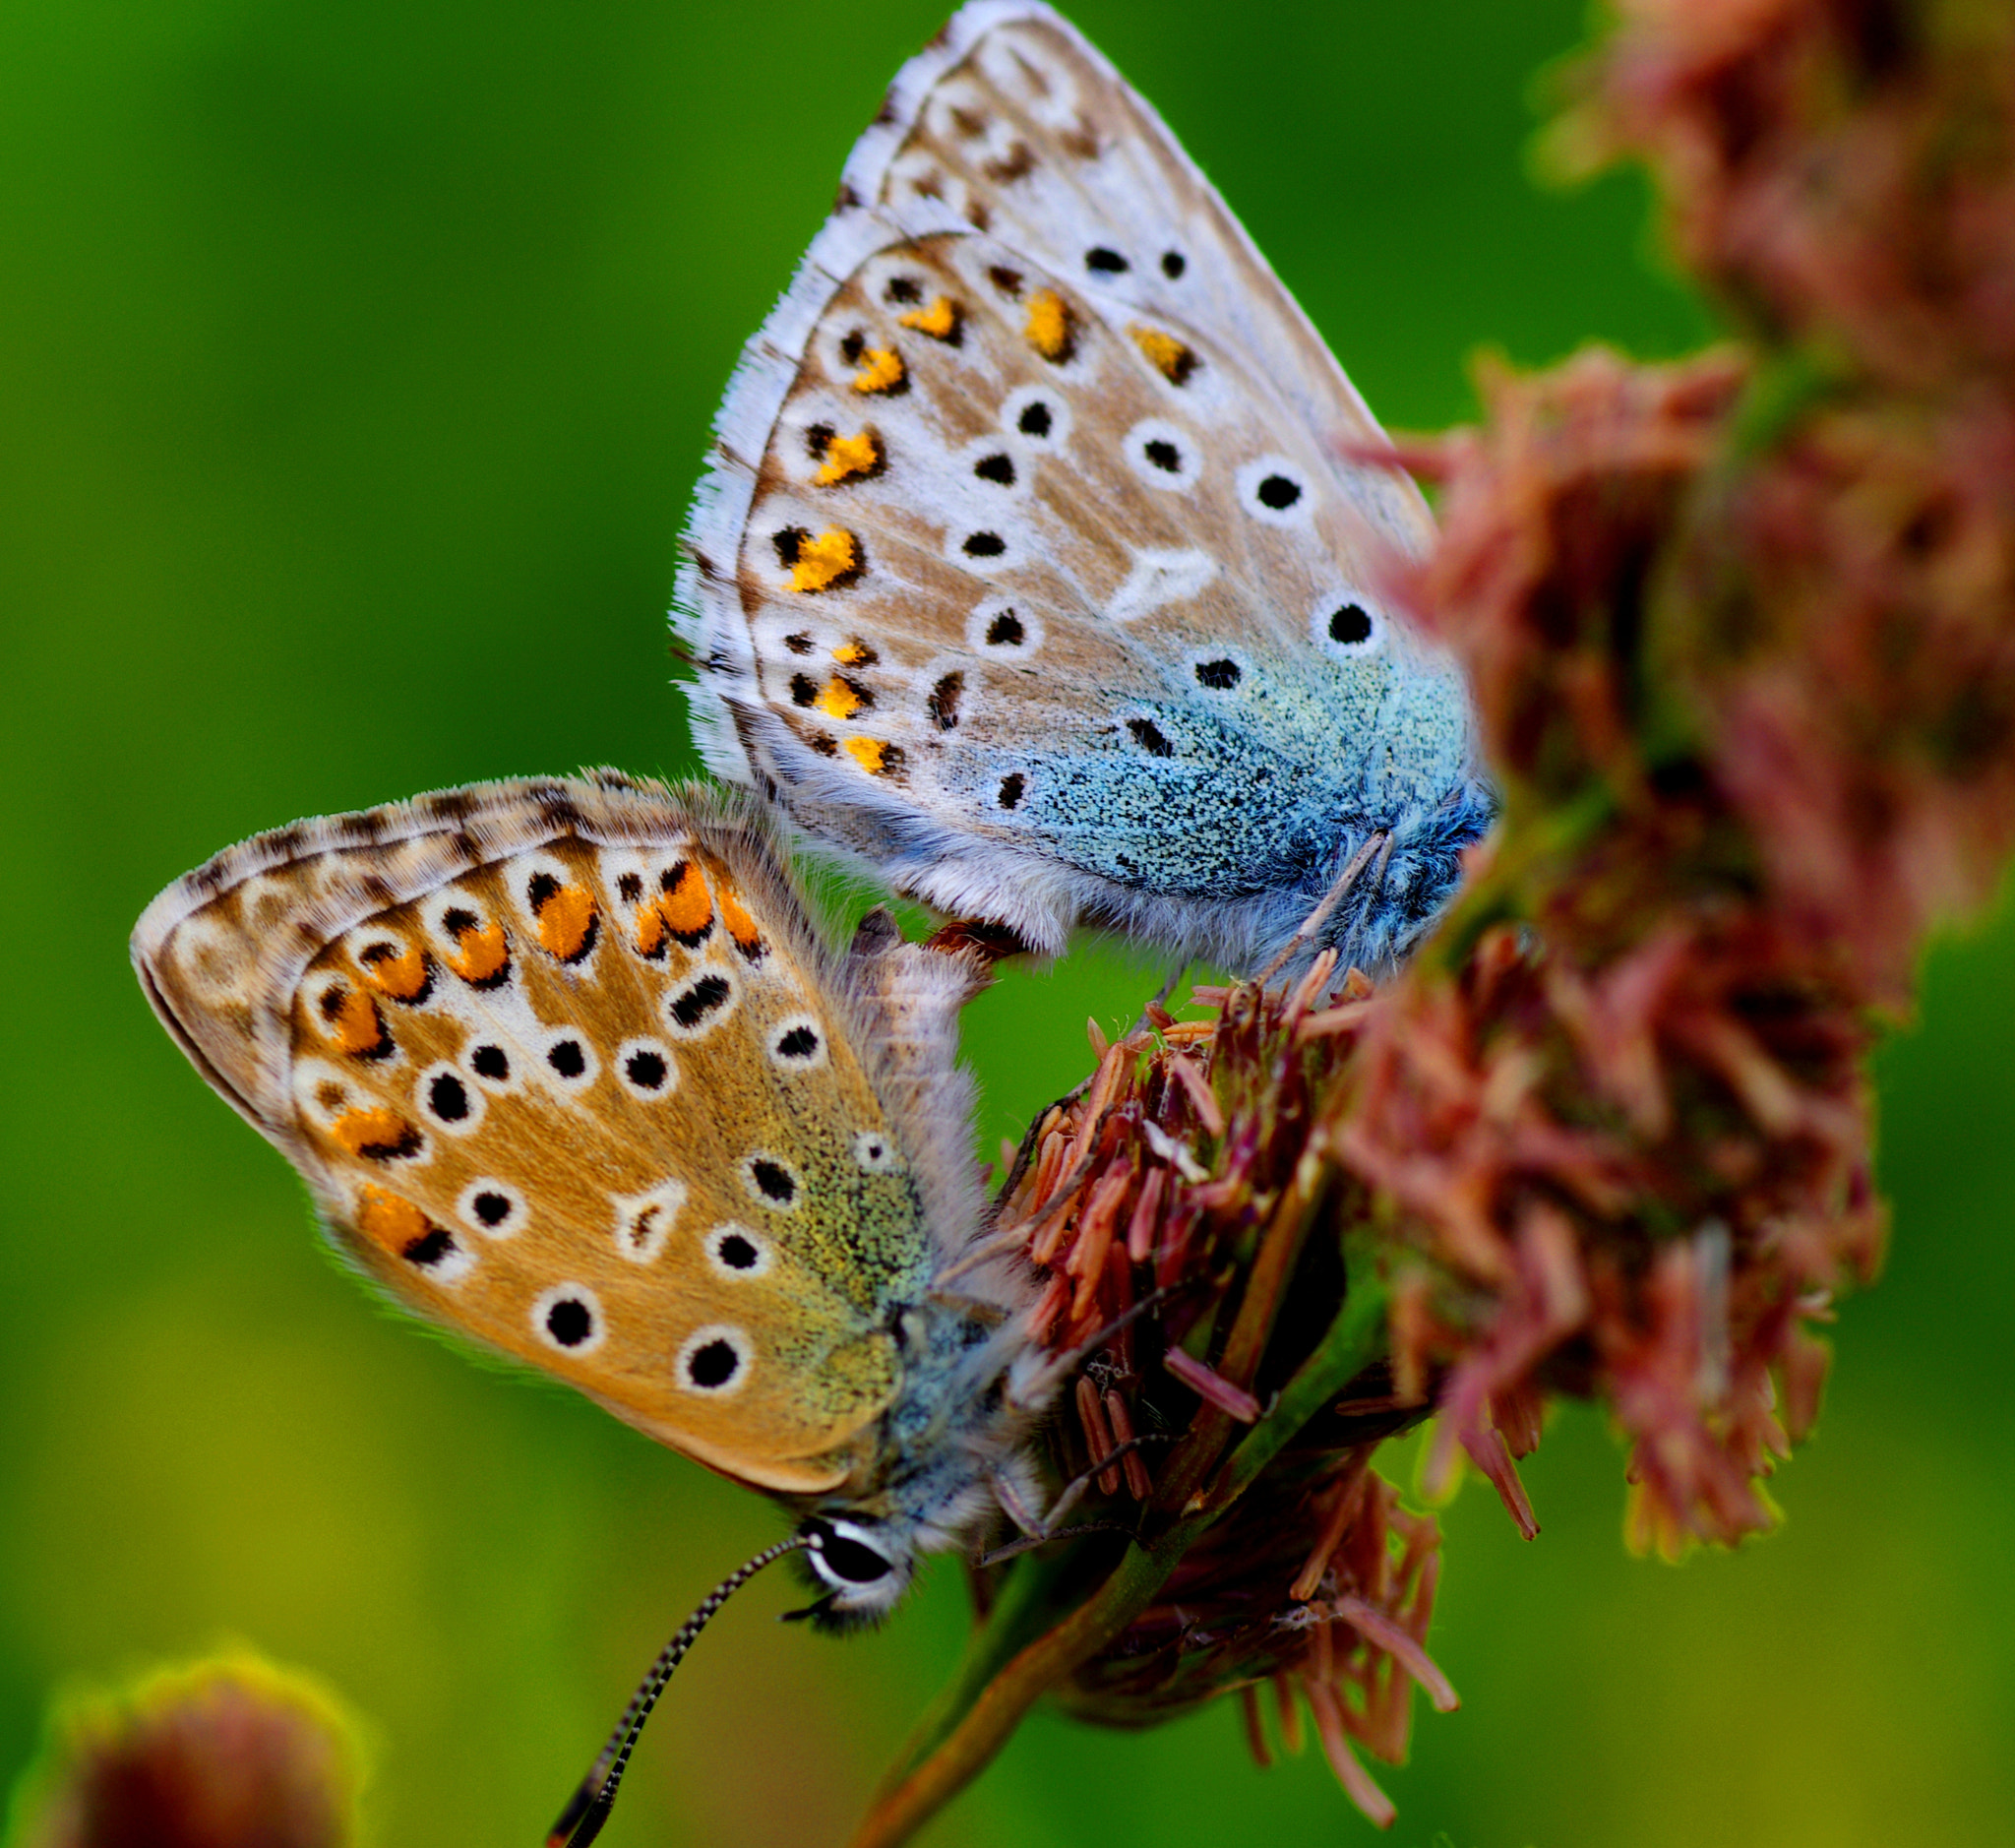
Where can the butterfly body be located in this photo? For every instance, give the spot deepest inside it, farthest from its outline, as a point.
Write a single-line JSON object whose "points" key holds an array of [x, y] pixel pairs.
{"points": [[569, 1071], [1033, 570]]}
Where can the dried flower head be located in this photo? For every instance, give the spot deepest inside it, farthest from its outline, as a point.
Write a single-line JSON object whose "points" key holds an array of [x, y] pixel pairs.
{"points": [[1189, 1177], [227, 1754], [1741, 633]]}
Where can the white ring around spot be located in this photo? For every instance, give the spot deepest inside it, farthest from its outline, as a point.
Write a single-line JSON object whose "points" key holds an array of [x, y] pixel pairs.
{"points": [[473, 1094], [548, 1300], [1325, 608], [875, 1150], [714, 1014], [769, 1203], [739, 1273], [590, 1066], [514, 1219], [628, 1050], [743, 1351], [1256, 474], [986, 615], [1058, 432], [1163, 454], [794, 1024]]}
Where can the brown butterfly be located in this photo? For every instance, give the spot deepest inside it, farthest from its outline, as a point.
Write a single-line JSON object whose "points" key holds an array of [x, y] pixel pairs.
{"points": [[569, 1070]]}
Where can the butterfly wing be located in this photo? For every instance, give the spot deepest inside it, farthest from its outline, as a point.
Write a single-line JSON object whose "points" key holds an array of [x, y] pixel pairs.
{"points": [[1030, 567], [568, 1071]]}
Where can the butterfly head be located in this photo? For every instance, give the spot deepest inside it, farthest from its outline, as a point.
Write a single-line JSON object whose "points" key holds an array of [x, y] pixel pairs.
{"points": [[861, 1567], [1412, 875]]}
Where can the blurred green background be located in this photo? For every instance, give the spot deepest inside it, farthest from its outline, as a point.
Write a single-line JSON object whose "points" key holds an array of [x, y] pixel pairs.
{"points": [[357, 360]]}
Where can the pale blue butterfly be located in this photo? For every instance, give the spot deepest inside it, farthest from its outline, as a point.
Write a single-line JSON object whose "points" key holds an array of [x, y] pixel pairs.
{"points": [[1035, 568]]}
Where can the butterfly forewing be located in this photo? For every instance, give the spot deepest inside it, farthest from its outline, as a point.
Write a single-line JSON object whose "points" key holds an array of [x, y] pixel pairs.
{"points": [[1019, 127], [566, 1070], [1033, 557]]}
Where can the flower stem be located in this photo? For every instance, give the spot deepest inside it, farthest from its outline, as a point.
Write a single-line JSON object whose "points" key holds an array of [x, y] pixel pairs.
{"points": [[1280, 1247], [1002, 1677]]}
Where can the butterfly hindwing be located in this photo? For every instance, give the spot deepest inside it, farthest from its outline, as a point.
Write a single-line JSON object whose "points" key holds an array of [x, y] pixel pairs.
{"points": [[569, 1071], [1031, 568]]}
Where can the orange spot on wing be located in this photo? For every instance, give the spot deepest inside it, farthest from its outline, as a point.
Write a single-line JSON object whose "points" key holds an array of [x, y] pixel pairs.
{"points": [[823, 560], [400, 974], [376, 1133], [1048, 328], [390, 1222], [1167, 354], [684, 911], [880, 371], [853, 654], [480, 952], [355, 1027], [869, 753], [940, 320], [849, 456], [741, 926], [839, 700], [686, 907], [565, 920]]}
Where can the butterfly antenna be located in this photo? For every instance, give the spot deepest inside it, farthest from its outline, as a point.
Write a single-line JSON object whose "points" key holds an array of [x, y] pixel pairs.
{"points": [[581, 1821]]}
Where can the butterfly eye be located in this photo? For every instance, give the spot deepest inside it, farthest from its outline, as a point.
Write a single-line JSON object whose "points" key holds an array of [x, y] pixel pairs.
{"points": [[1274, 490], [714, 1359], [1351, 625], [1150, 737], [568, 1319], [990, 548], [490, 1063], [944, 702], [844, 1555]]}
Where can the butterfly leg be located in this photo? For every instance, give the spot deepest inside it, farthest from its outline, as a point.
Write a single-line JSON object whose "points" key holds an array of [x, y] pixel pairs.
{"points": [[1159, 1006], [1016, 1509], [1043, 1531], [1305, 933]]}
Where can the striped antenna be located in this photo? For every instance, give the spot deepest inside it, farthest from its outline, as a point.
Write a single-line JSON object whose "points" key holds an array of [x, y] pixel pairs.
{"points": [[589, 1808]]}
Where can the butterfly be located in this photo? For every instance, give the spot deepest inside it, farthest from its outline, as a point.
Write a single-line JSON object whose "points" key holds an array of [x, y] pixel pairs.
{"points": [[1036, 565], [569, 1070]]}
